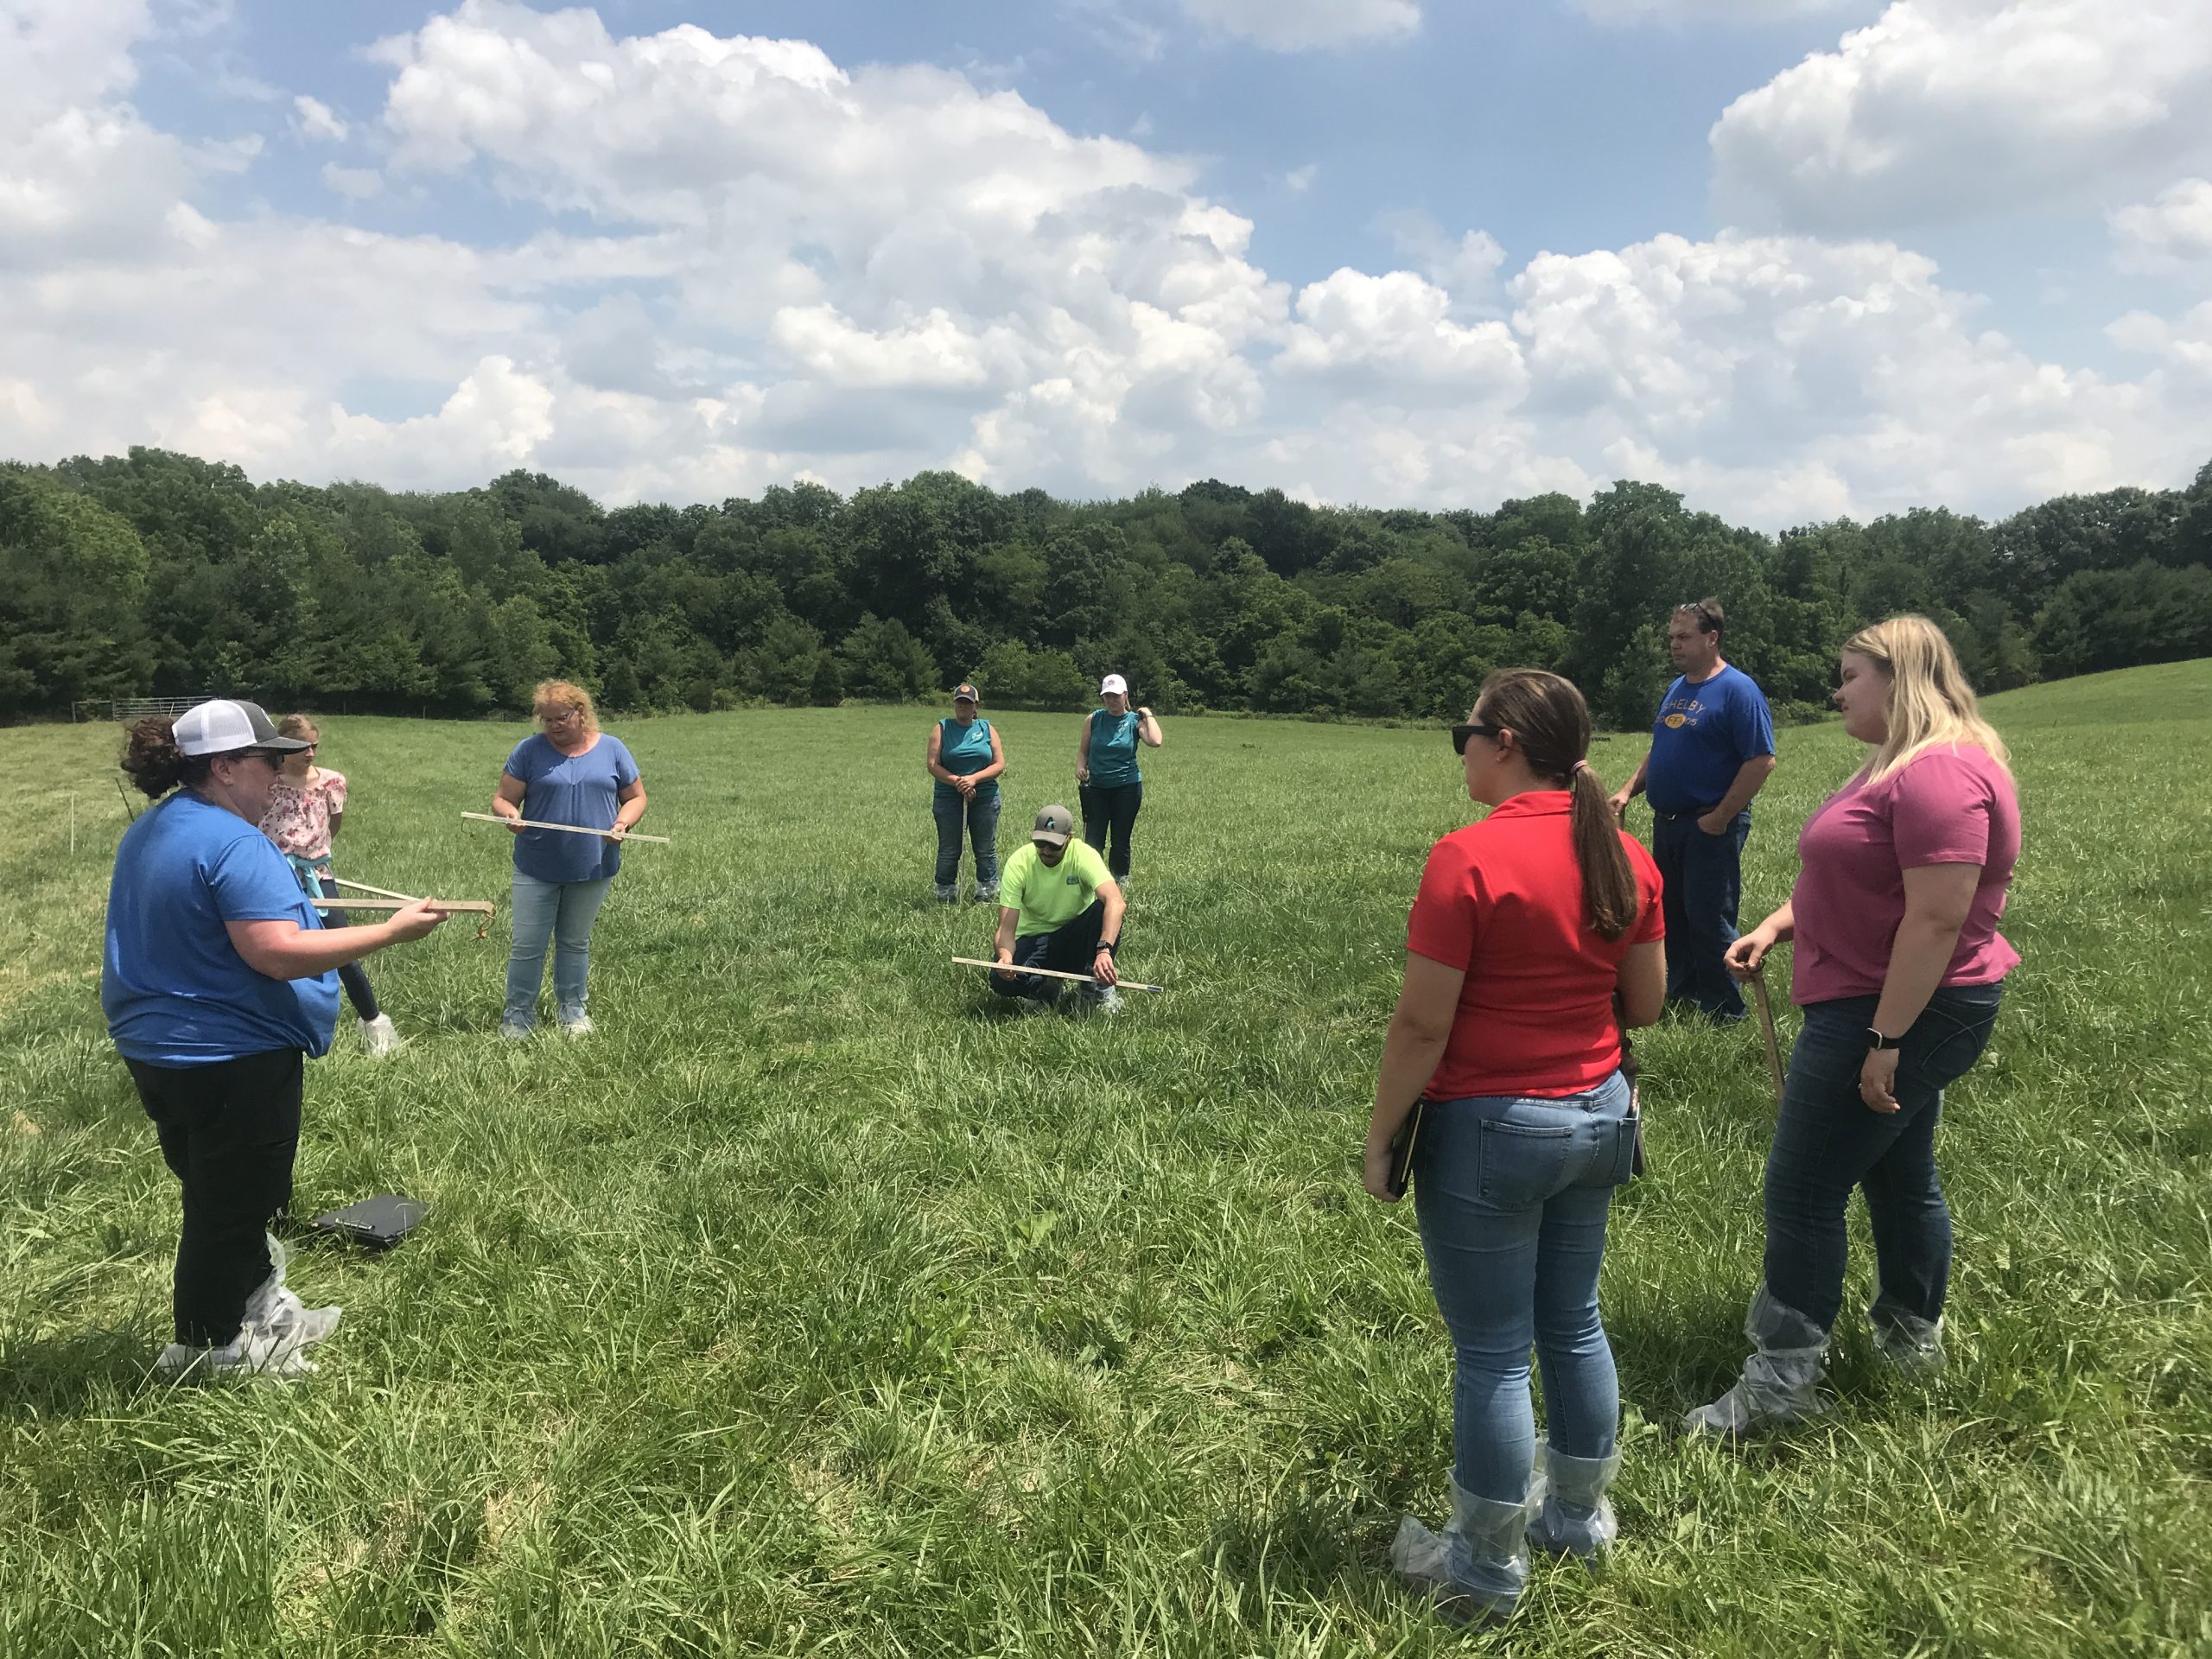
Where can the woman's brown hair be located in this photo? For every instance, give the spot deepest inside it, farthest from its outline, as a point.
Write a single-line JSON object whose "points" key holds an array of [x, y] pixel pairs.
{"points": [[152, 760], [299, 726], [1551, 722]]}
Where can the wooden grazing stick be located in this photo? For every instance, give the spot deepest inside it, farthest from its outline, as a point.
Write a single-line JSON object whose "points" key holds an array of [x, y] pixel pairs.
{"points": [[363, 887], [472, 906], [1766, 1030], [1054, 973], [569, 829]]}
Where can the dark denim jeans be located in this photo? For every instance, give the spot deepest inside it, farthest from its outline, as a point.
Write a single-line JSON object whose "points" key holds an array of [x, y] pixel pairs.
{"points": [[978, 816], [1113, 809], [1704, 884], [353, 975], [1828, 1140], [1072, 947], [229, 1133], [1512, 1195]]}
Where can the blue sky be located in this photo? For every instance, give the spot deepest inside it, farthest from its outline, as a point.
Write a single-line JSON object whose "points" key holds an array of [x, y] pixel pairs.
{"points": [[1795, 258]]}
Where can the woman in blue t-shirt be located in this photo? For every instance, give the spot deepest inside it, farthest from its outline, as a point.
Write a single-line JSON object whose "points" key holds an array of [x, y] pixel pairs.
{"points": [[1108, 786], [219, 979], [966, 758], [569, 773]]}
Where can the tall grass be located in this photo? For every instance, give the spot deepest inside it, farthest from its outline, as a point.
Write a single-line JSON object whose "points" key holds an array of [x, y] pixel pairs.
{"points": [[813, 1306]]}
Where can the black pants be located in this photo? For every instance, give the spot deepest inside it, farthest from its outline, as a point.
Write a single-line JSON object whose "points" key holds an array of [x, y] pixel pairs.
{"points": [[229, 1133], [1114, 808], [1070, 948], [353, 975]]}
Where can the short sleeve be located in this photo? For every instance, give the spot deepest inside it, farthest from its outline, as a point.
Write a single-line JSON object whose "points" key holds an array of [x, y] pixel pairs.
{"points": [[251, 882], [1447, 920], [1089, 866], [1650, 914], [518, 761], [1940, 811], [626, 765], [334, 789], [1754, 721]]}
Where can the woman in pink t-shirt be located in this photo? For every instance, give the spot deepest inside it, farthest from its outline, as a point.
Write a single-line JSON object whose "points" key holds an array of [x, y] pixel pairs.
{"points": [[306, 805], [1899, 970]]}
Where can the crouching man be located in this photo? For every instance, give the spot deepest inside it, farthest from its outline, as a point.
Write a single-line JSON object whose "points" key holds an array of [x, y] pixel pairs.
{"points": [[1059, 909]]}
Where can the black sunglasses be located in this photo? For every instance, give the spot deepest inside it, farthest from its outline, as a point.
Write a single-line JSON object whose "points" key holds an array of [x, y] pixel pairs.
{"points": [[1461, 734]]}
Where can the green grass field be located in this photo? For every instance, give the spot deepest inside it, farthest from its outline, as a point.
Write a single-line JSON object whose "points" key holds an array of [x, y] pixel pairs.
{"points": [[811, 1306]]}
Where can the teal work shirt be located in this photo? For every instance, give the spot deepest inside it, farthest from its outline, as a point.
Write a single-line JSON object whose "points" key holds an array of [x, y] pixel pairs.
{"points": [[964, 750], [1113, 751]]}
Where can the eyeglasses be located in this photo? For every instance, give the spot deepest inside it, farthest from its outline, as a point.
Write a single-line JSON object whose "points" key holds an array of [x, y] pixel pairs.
{"points": [[1461, 734], [1694, 607], [271, 756]]}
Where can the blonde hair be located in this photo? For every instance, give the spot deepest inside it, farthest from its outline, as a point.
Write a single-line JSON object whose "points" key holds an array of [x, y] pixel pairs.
{"points": [[565, 694], [299, 726], [1929, 704]]}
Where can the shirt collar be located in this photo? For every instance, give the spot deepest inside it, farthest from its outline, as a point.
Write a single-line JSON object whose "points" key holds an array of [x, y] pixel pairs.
{"points": [[1535, 804]]}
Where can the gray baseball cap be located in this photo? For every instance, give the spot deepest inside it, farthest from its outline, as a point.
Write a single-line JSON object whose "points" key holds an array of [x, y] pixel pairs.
{"points": [[1055, 824], [226, 725]]}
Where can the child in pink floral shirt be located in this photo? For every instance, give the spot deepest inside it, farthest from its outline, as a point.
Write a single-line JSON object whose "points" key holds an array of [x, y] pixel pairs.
{"points": [[306, 805]]}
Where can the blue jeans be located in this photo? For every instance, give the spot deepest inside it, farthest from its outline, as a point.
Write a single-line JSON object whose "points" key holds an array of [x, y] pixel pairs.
{"points": [[563, 912], [1704, 884], [1828, 1140], [979, 816], [1511, 1195], [1111, 809]]}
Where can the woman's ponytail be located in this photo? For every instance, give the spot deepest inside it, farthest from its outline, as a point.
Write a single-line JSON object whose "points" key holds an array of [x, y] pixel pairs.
{"points": [[1608, 895], [152, 760], [1552, 721]]}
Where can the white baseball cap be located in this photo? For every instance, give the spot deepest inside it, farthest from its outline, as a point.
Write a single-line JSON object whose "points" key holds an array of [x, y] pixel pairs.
{"points": [[224, 727], [1113, 682]]}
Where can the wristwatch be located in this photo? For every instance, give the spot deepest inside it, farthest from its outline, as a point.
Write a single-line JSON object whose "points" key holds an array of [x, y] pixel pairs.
{"points": [[1876, 1042]]}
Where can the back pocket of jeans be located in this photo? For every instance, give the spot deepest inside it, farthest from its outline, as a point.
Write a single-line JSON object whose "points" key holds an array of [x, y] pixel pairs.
{"points": [[1521, 1164]]}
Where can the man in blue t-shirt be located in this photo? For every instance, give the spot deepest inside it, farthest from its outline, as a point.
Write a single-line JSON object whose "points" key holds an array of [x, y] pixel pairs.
{"points": [[1712, 750]]}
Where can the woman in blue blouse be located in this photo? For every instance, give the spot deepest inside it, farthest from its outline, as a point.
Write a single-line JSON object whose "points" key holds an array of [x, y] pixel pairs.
{"points": [[569, 773], [1109, 785], [966, 758]]}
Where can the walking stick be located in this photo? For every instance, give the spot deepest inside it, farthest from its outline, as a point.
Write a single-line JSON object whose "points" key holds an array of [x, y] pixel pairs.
{"points": [[1766, 1030]]}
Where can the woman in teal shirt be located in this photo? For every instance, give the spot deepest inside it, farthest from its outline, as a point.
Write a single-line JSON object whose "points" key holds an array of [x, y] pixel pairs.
{"points": [[1109, 785], [966, 758]]}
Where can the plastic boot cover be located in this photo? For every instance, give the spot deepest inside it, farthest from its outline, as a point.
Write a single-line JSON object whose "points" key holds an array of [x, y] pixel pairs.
{"points": [[988, 895], [1568, 1511], [1907, 1341], [275, 1312], [1476, 1565], [1782, 1379], [947, 892], [378, 1038]]}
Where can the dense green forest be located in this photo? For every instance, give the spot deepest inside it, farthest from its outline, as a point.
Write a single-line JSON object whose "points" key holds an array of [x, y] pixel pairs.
{"points": [[158, 573]]}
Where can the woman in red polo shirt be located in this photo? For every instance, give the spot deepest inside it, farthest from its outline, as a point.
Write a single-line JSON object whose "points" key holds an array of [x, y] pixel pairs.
{"points": [[1528, 925]]}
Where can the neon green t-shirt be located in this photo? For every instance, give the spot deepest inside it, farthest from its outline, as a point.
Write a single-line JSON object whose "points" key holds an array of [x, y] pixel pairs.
{"points": [[1051, 898]]}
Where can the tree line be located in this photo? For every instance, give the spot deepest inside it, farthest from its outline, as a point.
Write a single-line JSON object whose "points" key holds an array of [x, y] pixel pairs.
{"points": [[157, 573]]}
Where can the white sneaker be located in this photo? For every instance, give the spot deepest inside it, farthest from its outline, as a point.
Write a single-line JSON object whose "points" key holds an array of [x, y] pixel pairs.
{"points": [[579, 1026], [378, 1038]]}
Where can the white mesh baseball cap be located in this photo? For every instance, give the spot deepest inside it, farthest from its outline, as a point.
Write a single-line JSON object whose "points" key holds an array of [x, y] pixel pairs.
{"points": [[224, 727], [1113, 682]]}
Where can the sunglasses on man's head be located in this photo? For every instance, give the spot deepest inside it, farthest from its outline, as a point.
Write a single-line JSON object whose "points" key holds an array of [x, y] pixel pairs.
{"points": [[1461, 734]]}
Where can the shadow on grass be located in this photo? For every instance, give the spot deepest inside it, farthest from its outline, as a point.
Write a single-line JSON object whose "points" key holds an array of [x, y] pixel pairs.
{"points": [[1302, 1547], [63, 1376]]}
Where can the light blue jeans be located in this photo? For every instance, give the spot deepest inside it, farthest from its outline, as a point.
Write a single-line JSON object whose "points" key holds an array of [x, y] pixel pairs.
{"points": [[1512, 1194], [563, 912]]}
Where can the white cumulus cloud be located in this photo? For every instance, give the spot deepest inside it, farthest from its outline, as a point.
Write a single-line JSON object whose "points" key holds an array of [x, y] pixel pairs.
{"points": [[1946, 107], [314, 119], [2165, 234]]}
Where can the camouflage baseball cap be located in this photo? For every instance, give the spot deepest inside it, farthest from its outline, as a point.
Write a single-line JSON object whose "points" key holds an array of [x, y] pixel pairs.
{"points": [[1054, 825]]}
